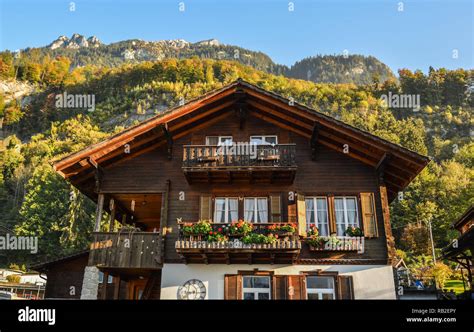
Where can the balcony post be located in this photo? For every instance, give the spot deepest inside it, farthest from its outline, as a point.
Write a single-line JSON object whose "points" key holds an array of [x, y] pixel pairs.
{"points": [[98, 212], [112, 215]]}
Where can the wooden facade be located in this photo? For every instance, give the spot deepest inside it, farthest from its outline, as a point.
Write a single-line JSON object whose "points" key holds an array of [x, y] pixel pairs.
{"points": [[163, 172]]}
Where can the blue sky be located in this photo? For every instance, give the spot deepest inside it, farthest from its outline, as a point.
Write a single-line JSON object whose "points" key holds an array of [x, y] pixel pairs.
{"points": [[425, 33]]}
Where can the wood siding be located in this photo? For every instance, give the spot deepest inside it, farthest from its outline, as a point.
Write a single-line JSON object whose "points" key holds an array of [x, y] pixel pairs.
{"points": [[63, 276], [330, 173]]}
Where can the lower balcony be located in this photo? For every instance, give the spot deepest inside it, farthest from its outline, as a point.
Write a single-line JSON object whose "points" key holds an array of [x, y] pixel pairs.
{"points": [[271, 243], [126, 250]]}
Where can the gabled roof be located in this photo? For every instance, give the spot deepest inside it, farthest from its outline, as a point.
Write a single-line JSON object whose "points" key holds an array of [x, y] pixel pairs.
{"points": [[466, 216], [399, 165], [43, 266]]}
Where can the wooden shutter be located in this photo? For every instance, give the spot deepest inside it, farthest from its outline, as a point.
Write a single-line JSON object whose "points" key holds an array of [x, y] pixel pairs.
{"points": [[280, 289], [232, 287], [369, 218], [296, 289], [275, 208], [331, 215], [292, 217], [205, 208], [301, 207], [345, 288]]}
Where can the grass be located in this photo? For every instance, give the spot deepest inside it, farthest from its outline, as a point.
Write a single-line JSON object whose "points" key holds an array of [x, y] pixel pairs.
{"points": [[455, 285]]}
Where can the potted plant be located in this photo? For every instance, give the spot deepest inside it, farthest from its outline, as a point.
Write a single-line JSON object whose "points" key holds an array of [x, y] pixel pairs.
{"points": [[282, 230], [317, 242], [312, 231], [353, 231], [238, 229], [216, 237], [254, 238], [199, 229]]}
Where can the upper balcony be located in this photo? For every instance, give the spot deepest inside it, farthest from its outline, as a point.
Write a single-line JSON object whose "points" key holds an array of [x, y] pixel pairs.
{"points": [[240, 162]]}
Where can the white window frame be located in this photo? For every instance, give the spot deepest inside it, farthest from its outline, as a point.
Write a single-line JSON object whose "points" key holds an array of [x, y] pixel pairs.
{"points": [[265, 136], [220, 139], [256, 291], [315, 214], [321, 291], [226, 209], [346, 219], [255, 209]]}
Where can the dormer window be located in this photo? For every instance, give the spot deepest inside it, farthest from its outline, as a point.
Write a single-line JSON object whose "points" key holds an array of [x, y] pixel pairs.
{"points": [[264, 139]]}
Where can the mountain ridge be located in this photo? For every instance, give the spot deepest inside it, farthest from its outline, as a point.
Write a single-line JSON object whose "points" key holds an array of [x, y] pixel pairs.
{"points": [[351, 68]]}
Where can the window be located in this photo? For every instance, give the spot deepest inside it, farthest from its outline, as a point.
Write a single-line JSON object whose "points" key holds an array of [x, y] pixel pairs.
{"points": [[264, 140], [110, 279], [226, 209], [256, 209], [346, 213], [256, 287], [317, 214], [320, 288], [218, 140]]}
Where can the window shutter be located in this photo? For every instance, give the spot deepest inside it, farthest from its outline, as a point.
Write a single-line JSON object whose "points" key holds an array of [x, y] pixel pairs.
{"points": [[292, 217], [296, 289], [331, 215], [232, 287], [205, 209], [275, 208], [345, 288], [280, 289], [369, 219], [301, 207]]}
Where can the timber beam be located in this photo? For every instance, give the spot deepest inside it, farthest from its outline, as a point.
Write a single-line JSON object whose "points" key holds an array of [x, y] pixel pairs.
{"points": [[381, 165], [314, 140], [169, 140]]}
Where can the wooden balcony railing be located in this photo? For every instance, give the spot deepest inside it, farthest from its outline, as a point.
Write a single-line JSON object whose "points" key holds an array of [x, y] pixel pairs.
{"points": [[126, 250], [337, 243], [239, 156]]}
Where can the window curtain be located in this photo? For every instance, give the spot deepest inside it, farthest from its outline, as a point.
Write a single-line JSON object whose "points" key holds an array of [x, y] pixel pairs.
{"points": [[233, 209], [322, 209], [219, 214], [309, 212], [249, 209], [262, 206], [340, 223], [351, 212]]}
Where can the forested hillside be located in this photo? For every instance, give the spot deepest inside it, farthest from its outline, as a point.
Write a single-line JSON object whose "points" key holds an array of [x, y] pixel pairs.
{"points": [[36, 201]]}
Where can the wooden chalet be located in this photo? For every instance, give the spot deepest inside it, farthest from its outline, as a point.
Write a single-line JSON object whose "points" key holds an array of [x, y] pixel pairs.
{"points": [[244, 153], [461, 250]]}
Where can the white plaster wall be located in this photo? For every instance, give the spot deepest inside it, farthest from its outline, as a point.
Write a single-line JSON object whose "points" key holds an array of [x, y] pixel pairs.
{"points": [[370, 281]]}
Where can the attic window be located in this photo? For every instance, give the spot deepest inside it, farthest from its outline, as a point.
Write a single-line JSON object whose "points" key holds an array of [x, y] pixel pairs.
{"points": [[264, 140], [218, 140]]}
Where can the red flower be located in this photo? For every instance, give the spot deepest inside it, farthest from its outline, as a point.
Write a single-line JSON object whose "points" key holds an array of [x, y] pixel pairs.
{"points": [[219, 229]]}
